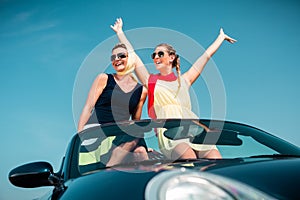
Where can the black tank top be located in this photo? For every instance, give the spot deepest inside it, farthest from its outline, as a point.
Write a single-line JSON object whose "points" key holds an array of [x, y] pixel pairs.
{"points": [[116, 105]]}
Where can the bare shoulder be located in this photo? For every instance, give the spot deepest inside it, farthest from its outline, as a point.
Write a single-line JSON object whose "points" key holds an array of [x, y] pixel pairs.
{"points": [[100, 81], [102, 78]]}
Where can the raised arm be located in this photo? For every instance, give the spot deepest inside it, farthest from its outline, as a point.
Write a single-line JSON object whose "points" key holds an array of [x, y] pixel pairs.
{"points": [[140, 69], [194, 72]]}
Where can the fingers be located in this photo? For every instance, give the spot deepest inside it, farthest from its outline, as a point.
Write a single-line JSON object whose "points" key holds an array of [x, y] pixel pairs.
{"points": [[221, 31], [120, 20], [231, 40], [226, 37], [114, 27], [117, 25]]}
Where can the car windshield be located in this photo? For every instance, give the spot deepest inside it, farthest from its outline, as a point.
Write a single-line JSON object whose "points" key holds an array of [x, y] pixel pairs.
{"points": [[94, 146]]}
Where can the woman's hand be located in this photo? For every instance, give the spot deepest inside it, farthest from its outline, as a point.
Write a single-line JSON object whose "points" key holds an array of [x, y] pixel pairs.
{"points": [[226, 37], [117, 27]]}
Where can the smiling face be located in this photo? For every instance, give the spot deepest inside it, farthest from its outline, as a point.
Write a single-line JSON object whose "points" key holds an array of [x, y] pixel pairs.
{"points": [[119, 59], [163, 59]]}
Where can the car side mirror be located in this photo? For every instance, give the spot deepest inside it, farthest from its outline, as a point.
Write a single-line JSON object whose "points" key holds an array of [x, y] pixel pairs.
{"points": [[32, 175]]}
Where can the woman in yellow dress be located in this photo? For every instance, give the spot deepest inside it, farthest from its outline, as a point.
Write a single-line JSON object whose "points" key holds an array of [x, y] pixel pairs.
{"points": [[168, 94]]}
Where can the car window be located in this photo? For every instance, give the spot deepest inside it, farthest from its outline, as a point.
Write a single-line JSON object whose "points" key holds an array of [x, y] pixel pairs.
{"points": [[94, 150], [249, 147]]}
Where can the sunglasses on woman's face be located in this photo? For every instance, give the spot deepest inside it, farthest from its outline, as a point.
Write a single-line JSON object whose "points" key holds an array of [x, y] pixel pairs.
{"points": [[118, 56], [160, 54]]}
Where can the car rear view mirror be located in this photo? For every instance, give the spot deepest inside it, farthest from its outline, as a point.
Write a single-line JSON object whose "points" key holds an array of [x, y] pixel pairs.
{"points": [[31, 175]]}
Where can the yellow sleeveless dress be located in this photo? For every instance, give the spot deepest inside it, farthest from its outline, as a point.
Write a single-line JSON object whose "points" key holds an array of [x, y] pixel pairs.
{"points": [[173, 102]]}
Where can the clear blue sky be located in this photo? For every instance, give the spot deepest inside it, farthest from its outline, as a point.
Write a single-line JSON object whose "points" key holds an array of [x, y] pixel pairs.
{"points": [[45, 43]]}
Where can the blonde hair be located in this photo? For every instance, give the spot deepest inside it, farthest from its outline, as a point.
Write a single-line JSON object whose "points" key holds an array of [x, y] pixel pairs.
{"points": [[176, 61], [131, 61]]}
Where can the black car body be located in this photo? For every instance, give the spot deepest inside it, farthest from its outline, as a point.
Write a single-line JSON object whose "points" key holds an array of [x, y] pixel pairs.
{"points": [[254, 165]]}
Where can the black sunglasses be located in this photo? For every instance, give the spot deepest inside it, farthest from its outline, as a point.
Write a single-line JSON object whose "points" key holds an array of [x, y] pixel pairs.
{"points": [[118, 56], [160, 54]]}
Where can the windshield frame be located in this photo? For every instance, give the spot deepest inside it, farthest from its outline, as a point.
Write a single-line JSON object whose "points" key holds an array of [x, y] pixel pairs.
{"points": [[277, 144]]}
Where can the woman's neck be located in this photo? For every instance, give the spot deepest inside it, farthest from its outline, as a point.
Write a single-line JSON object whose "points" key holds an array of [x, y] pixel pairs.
{"points": [[166, 71], [120, 77]]}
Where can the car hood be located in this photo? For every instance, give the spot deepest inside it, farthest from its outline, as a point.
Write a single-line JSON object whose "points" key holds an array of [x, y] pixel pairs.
{"points": [[109, 184], [276, 177]]}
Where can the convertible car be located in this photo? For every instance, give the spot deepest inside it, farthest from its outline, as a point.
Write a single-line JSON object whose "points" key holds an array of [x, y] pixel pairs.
{"points": [[253, 165]]}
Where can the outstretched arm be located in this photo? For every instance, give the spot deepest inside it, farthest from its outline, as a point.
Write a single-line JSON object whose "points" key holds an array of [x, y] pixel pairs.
{"points": [[194, 72], [140, 69]]}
